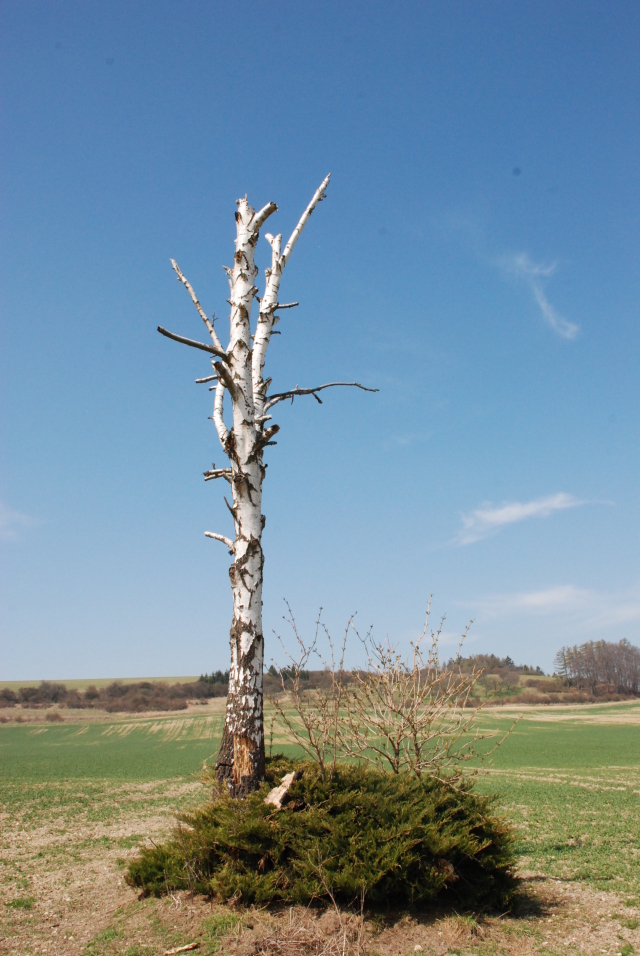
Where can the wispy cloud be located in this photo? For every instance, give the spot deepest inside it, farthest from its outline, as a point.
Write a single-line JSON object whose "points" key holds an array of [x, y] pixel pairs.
{"points": [[11, 523], [489, 519], [473, 228], [586, 610], [533, 274], [551, 600]]}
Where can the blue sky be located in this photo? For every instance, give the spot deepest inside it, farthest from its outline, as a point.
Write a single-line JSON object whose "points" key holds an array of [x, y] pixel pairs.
{"points": [[476, 259]]}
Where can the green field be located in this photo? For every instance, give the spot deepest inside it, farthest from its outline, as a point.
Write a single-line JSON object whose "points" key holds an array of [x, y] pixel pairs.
{"points": [[137, 750], [567, 778], [571, 785]]}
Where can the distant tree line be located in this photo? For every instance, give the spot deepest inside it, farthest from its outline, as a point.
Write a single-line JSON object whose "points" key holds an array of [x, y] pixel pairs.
{"points": [[492, 664], [116, 697], [594, 669], [599, 665], [217, 677], [288, 673]]}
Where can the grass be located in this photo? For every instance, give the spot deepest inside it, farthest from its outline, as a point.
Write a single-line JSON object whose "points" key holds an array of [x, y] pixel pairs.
{"points": [[83, 791], [21, 903], [569, 779], [120, 750]]}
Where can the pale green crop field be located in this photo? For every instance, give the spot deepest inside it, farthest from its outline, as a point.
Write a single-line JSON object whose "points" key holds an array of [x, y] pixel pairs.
{"points": [[568, 778]]}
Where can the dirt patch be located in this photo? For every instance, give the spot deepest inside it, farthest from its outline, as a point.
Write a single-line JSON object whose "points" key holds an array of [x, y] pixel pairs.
{"points": [[549, 917], [63, 856]]}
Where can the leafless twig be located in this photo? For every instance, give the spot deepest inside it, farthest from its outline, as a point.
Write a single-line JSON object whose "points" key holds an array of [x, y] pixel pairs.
{"points": [[208, 322], [412, 714], [316, 710], [281, 396]]}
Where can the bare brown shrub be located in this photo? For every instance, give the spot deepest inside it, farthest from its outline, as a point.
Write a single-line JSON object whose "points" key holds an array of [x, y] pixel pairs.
{"points": [[8, 697], [412, 713], [408, 714], [314, 722]]}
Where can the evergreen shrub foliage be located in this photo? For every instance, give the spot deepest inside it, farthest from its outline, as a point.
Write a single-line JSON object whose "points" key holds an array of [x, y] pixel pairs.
{"points": [[397, 839]]}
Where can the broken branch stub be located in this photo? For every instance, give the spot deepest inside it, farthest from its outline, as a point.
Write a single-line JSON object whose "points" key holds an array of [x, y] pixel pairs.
{"points": [[279, 795]]}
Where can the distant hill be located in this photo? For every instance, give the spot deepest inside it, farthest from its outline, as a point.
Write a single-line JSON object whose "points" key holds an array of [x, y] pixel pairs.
{"points": [[593, 671]]}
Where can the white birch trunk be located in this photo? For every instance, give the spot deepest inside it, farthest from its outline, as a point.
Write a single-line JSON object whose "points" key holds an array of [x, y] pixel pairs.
{"points": [[238, 371], [241, 760]]}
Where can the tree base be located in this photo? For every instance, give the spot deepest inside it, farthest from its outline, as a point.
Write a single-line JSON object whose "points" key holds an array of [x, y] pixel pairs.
{"points": [[240, 764]]}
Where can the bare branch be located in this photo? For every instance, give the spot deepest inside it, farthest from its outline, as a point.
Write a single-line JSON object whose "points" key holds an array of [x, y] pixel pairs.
{"points": [[309, 723], [220, 352], [261, 217], [209, 378], [194, 299], [229, 273], [218, 420], [218, 473], [266, 322], [318, 196], [220, 537], [269, 303], [225, 375], [280, 397], [285, 305], [181, 949], [268, 433], [275, 242]]}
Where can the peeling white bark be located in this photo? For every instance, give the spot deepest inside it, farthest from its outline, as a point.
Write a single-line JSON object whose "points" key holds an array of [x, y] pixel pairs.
{"points": [[240, 372], [218, 419]]}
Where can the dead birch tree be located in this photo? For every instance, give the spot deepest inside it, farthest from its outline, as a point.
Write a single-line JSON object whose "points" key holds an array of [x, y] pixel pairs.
{"points": [[238, 372]]}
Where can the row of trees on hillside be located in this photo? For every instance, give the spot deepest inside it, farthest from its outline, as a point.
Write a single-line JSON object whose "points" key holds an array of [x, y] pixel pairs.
{"points": [[597, 663], [492, 664], [116, 697]]}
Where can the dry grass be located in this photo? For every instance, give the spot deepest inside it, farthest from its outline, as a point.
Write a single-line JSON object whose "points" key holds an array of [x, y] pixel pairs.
{"points": [[33, 715], [62, 853], [615, 712]]}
